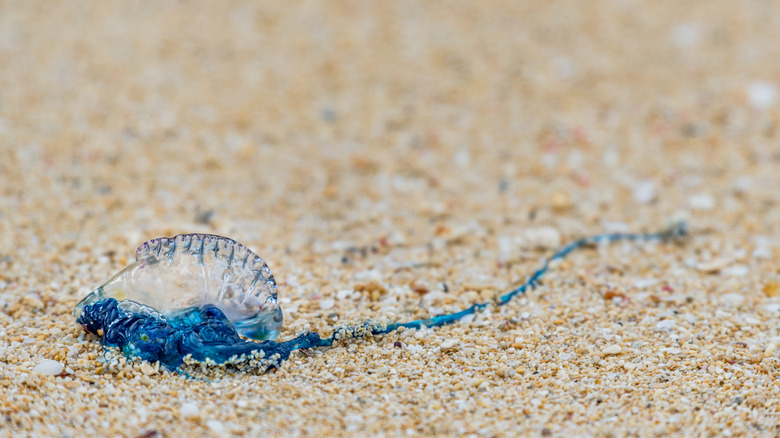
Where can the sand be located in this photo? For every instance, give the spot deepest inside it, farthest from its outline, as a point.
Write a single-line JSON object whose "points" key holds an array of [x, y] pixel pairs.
{"points": [[396, 160]]}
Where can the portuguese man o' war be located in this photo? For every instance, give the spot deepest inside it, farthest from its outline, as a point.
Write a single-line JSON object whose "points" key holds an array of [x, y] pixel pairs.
{"points": [[172, 275], [190, 299]]}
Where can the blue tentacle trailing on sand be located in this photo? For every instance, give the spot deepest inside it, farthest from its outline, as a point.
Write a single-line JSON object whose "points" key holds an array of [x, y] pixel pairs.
{"points": [[205, 299]]}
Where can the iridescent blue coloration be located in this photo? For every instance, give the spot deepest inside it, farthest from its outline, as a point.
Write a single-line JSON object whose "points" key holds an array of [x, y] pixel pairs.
{"points": [[199, 333], [205, 334]]}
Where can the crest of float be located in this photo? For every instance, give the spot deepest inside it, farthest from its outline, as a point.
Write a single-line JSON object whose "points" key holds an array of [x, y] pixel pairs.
{"points": [[173, 276]]}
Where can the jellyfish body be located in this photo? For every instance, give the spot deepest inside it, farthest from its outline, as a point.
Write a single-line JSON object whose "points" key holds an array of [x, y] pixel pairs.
{"points": [[174, 275]]}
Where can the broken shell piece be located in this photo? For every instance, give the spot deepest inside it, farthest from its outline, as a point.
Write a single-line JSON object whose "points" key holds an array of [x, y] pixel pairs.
{"points": [[713, 266], [48, 367]]}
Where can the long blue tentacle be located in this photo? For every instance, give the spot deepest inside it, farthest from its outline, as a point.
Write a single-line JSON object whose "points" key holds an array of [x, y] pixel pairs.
{"points": [[675, 231]]}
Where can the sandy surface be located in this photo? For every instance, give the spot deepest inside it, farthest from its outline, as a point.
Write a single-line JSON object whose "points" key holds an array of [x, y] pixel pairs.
{"points": [[376, 155]]}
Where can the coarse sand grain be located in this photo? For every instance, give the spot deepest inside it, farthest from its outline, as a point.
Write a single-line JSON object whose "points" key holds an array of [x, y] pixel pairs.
{"points": [[397, 160]]}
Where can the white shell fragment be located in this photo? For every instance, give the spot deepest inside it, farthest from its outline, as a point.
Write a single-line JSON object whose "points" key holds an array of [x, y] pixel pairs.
{"points": [[49, 367], [449, 343], [189, 410], [762, 95], [715, 265]]}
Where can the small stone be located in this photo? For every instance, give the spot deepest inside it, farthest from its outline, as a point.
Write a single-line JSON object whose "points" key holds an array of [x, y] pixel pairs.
{"points": [[771, 289], [761, 95], [466, 319], [742, 185], [665, 324], [148, 369], [48, 367], [645, 283], [686, 35], [560, 201], [612, 349], [762, 252], [702, 201], [33, 302], [449, 343], [737, 271], [644, 192], [713, 266], [354, 421], [189, 410], [542, 237], [327, 303], [733, 299], [414, 348], [216, 426]]}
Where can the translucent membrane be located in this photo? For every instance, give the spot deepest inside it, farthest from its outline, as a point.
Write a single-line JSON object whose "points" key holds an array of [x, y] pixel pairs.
{"points": [[173, 275], [184, 298]]}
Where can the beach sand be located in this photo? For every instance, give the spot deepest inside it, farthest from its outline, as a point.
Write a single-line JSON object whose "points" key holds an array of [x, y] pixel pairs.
{"points": [[397, 160]]}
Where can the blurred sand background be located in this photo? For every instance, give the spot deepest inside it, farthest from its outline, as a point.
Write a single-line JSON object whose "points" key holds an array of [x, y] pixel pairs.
{"points": [[396, 160]]}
